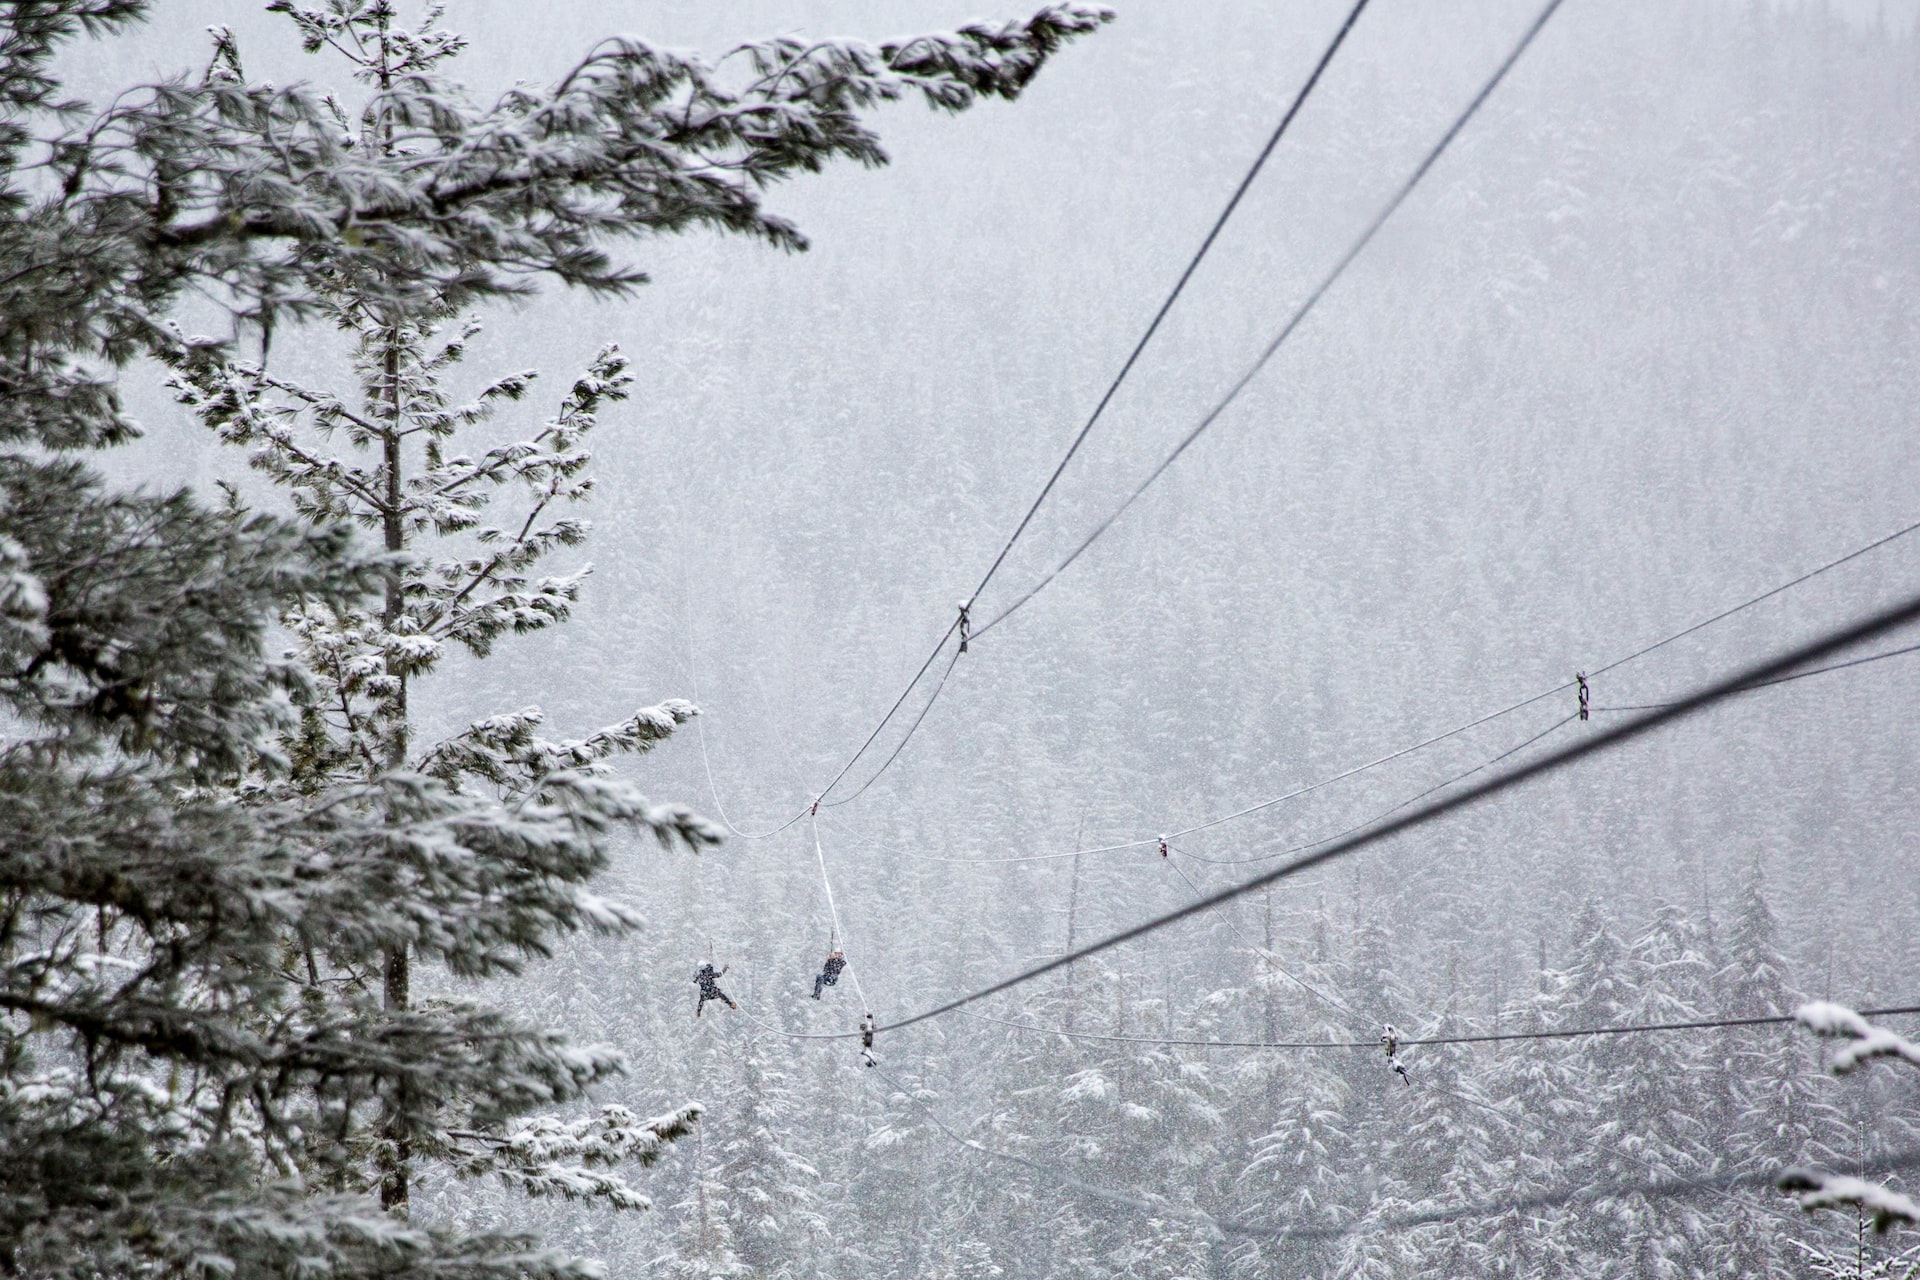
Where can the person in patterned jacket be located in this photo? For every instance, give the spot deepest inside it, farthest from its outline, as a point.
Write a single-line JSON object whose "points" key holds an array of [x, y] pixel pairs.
{"points": [[709, 981], [829, 972]]}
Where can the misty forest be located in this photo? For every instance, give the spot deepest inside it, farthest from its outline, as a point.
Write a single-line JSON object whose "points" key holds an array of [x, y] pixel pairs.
{"points": [[913, 642]]}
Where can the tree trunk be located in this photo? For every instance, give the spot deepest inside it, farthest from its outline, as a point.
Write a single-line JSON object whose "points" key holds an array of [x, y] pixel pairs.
{"points": [[394, 1180]]}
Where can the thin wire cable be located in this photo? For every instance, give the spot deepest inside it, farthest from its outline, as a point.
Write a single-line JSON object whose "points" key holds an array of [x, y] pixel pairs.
{"points": [[1295, 794], [1605, 1152], [1798, 675], [904, 740], [1193, 264], [1267, 955], [1366, 237], [1500, 1037], [1100, 408], [1132, 1200], [1563, 687], [1659, 1189], [699, 730], [1482, 767], [1877, 624], [1768, 594], [1664, 1188], [891, 712], [1372, 764], [795, 1035]]}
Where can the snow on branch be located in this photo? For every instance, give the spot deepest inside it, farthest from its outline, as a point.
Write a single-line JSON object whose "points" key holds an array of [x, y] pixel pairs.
{"points": [[1837, 1022], [570, 1159], [1816, 1190]]}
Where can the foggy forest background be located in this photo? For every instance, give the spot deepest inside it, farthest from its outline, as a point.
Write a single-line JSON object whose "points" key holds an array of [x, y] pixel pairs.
{"points": [[1641, 347]]}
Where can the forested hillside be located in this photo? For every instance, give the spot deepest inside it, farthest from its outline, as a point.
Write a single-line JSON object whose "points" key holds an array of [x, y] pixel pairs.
{"points": [[1638, 349]]}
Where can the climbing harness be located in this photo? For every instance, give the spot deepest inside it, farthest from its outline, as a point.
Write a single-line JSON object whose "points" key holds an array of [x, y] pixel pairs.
{"points": [[966, 624], [1580, 678]]}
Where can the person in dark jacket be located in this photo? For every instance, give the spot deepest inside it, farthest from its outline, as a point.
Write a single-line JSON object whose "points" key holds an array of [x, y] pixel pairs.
{"points": [[829, 972], [709, 980]]}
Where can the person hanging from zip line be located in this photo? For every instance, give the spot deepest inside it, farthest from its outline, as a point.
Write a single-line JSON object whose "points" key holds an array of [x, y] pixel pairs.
{"points": [[829, 972], [709, 980], [867, 1027]]}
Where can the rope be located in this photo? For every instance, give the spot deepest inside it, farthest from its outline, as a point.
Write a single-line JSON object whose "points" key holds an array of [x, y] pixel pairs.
{"points": [[699, 729], [853, 970], [1887, 620], [1233, 393], [1180, 285]]}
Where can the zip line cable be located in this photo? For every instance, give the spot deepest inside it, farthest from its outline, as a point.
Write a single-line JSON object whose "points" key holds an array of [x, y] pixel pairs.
{"points": [[1149, 841], [1267, 955], [1663, 1188], [1153, 327], [1598, 1148], [1193, 264], [1798, 675], [906, 738], [1658, 1189], [1434, 740], [1300, 314], [1724, 614], [1497, 1037], [1874, 625], [891, 712], [1482, 767]]}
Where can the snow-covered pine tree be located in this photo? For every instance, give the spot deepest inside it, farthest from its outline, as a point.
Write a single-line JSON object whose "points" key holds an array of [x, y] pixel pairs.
{"points": [[770, 1186], [1781, 1114], [463, 575], [704, 1244], [170, 1098]]}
